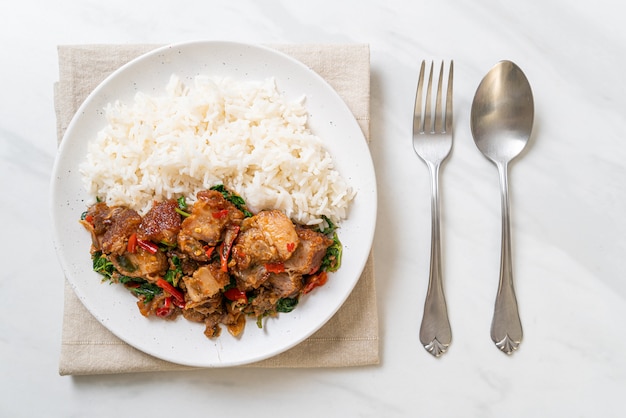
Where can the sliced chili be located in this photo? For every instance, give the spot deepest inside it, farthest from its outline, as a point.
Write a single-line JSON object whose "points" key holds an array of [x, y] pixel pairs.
{"points": [[319, 279], [226, 246], [275, 267], [179, 304], [166, 309], [165, 285], [235, 294], [131, 247], [220, 214], [148, 246], [208, 250]]}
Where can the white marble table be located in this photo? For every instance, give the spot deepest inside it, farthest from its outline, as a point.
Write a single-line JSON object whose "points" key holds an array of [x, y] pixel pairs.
{"points": [[569, 212]]}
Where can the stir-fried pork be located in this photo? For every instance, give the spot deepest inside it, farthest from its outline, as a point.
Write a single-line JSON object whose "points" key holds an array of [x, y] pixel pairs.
{"points": [[267, 239], [141, 264], [213, 266], [308, 257], [112, 226], [285, 285], [111, 229], [204, 227], [205, 282], [161, 223]]}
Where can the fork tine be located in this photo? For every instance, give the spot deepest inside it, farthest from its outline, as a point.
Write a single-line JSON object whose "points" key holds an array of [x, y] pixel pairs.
{"points": [[428, 124], [449, 99], [418, 125], [438, 114]]}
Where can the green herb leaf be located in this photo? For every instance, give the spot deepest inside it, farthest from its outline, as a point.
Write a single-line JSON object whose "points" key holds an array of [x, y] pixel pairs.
{"points": [[147, 290], [174, 275], [332, 258], [102, 265], [126, 279], [327, 227], [286, 304], [233, 198]]}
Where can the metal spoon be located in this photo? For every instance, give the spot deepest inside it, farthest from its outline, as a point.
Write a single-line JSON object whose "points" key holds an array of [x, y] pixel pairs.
{"points": [[501, 122]]}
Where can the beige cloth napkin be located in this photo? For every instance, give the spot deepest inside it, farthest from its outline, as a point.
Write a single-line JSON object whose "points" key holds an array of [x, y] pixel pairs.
{"points": [[350, 338]]}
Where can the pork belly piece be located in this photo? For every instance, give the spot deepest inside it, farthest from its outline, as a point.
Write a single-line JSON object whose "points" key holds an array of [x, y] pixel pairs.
{"points": [[264, 301], [111, 227], [285, 285], [210, 312], [199, 311], [278, 286], [209, 217], [308, 257], [161, 223], [207, 281], [268, 238], [141, 263], [213, 312]]}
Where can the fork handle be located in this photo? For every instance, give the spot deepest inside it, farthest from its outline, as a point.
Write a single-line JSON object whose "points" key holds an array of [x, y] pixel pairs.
{"points": [[435, 332]]}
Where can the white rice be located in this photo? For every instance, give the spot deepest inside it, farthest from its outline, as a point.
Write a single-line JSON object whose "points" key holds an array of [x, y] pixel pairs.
{"points": [[245, 135]]}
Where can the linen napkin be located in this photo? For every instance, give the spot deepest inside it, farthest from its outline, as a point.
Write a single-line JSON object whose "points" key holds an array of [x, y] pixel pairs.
{"points": [[350, 338]]}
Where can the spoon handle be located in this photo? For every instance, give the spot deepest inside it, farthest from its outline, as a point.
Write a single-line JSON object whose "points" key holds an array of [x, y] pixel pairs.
{"points": [[435, 332], [506, 327]]}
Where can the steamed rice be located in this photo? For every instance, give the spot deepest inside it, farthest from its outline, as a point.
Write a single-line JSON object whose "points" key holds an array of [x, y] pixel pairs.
{"points": [[245, 135]]}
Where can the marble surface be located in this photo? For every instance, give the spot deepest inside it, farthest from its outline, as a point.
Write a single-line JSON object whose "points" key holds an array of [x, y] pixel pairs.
{"points": [[567, 193]]}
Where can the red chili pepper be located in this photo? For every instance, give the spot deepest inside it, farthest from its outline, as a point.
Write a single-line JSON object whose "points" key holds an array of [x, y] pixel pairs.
{"points": [[223, 259], [291, 246], [149, 246], [166, 309], [131, 247], [227, 245], [319, 279], [89, 218], [235, 294], [208, 250], [275, 267], [165, 285], [220, 214], [179, 304]]}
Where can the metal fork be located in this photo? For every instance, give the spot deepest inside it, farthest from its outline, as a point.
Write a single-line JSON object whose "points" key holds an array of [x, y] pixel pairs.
{"points": [[432, 141]]}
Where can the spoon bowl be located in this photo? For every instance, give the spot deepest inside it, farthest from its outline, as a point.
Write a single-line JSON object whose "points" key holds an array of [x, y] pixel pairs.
{"points": [[502, 113], [501, 122]]}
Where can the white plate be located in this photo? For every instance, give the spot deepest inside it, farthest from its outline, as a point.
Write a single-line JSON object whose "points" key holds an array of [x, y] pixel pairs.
{"points": [[182, 341]]}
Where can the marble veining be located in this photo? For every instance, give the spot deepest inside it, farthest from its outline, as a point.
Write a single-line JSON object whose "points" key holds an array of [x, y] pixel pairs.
{"points": [[567, 195]]}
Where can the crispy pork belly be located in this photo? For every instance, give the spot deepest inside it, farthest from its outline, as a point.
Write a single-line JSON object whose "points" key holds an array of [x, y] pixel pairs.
{"points": [[207, 281], [284, 285], [266, 238], [209, 217], [112, 226], [199, 311], [161, 223], [142, 264], [308, 257]]}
